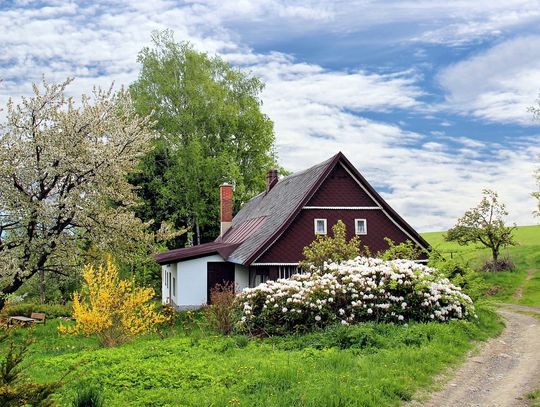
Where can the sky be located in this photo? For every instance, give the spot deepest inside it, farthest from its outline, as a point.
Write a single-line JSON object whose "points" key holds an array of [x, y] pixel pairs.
{"points": [[429, 99]]}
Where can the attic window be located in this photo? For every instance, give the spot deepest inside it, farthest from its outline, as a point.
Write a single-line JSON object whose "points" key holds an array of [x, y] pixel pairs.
{"points": [[320, 226], [360, 226]]}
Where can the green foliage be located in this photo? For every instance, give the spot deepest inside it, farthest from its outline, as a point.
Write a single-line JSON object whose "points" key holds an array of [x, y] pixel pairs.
{"points": [[367, 365], [88, 397], [484, 224], [211, 131], [334, 248], [405, 250], [15, 390], [25, 309]]}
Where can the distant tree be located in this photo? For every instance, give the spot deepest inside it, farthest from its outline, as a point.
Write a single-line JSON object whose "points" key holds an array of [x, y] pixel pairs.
{"points": [[484, 224], [334, 248], [63, 182], [535, 110], [212, 130]]}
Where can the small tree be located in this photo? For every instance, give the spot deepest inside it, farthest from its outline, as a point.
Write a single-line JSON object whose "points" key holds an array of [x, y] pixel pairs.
{"points": [[114, 309], [219, 314], [484, 224], [332, 249]]}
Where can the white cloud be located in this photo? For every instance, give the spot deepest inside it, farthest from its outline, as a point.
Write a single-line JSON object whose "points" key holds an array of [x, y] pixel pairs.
{"points": [[316, 111], [498, 84]]}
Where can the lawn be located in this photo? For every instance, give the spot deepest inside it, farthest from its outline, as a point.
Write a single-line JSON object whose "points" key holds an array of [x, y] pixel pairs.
{"points": [[363, 365], [366, 365]]}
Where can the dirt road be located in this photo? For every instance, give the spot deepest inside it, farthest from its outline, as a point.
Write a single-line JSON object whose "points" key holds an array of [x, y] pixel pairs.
{"points": [[504, 370]]}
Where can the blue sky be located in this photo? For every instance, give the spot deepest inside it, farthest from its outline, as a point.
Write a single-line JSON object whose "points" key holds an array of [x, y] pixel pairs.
{"points": [[428, 99]]}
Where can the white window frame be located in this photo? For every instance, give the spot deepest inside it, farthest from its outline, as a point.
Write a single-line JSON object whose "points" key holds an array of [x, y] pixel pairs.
{"points": [[315, 221], [357, 229]]}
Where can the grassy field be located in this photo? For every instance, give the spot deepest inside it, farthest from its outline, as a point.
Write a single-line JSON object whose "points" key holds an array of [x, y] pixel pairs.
{"points": [[525, 255], [364, 365], [368, 365]]}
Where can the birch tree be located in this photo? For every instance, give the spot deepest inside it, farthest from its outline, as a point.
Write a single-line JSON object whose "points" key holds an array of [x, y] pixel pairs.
{"points": [[63, 182]]}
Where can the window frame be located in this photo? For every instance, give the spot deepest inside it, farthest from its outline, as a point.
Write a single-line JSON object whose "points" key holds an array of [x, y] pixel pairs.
{"points": [[357, 230], [315, 221]]}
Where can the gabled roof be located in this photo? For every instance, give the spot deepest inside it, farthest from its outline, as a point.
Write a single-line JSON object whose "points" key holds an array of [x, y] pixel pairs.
{"points": [[264, 218]]}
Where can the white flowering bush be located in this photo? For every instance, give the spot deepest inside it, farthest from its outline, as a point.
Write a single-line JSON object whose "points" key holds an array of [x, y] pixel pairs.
{"points": [[363, 289]]}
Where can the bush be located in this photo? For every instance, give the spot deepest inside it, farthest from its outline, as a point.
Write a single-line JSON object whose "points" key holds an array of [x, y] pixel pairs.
{"points": [[359, 290], [114, 309], [499, 265], [15, 389], [88, 397], [219, 314], [405, 250], [461, 275], [25, 309]]}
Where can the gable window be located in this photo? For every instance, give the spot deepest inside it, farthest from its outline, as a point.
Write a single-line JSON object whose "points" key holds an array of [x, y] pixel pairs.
{"points": [[360, 226], [320, 226]]}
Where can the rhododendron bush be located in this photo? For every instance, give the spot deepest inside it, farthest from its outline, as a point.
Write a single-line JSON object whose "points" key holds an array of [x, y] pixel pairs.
{"points": [[363, 289]]}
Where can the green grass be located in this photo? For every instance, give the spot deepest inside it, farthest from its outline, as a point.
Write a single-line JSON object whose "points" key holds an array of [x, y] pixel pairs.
{"points": [[365, 365], [535, 398], [503, 285]]}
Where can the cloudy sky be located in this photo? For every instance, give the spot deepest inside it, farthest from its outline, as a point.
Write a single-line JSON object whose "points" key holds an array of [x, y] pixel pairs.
{"points": [[427, 98]]}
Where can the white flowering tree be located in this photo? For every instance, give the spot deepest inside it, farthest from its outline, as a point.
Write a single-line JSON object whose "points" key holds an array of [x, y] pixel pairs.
{"points": [[63, 181]]}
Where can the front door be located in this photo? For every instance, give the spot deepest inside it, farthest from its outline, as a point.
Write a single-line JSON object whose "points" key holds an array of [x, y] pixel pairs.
{"points": [[218, 273]]}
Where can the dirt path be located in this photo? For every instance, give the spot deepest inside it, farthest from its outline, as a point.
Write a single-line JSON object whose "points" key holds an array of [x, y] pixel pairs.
{"points": [[519, 292], [504, 370]]}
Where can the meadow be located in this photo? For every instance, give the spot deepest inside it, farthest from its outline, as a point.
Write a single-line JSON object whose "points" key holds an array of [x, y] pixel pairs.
{"points": [[365, 365]]}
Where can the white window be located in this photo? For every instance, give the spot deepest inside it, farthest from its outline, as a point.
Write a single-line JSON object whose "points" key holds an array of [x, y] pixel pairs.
{"points": [[320, 226], [360, 226]]}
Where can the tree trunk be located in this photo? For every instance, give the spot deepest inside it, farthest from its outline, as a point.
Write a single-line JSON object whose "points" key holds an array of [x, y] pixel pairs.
{"points": [[495, 254], [42, 286], [198, 232]]}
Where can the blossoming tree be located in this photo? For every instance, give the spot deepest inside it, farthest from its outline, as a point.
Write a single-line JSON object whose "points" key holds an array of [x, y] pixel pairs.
{"points": [[63, 181]]}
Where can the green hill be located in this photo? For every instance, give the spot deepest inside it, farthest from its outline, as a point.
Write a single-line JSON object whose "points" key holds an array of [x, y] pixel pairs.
{"points": [[521, 286]]}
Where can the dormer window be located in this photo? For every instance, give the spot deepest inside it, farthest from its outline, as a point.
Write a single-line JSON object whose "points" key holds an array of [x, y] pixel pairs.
{"points": [[320, 226], [360, 226]]}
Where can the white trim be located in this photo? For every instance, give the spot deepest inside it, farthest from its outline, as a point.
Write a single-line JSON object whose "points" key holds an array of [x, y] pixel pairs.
{"points": [[346, 208], [315, 221], [356, 232], [387, 215], [274, 264]]}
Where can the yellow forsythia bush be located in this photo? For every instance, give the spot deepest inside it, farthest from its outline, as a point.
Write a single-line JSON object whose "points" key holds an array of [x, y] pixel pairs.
{"points": [[113, 309]]}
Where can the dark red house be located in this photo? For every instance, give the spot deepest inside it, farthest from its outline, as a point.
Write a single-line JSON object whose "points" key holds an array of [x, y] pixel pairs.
{"points": [[266, 237]]}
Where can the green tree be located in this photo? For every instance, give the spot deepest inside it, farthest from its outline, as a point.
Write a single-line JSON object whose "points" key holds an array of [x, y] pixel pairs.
{"points": [[484, 224], [212, 130], [535, 110], [334, 248]]}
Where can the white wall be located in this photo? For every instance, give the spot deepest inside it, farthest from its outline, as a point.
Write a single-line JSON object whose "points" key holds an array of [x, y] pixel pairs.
{"points": [[168, 268], [191, 284], [241, 277]]}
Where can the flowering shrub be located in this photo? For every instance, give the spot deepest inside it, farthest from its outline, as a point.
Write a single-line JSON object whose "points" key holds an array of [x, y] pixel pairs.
{"points": [[114, 309], [363, 289]]}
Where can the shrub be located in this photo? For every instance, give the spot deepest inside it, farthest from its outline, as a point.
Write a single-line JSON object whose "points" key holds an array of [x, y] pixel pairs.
{"points": [[15, 390], [114, 309], [26, 309], [363, 289], [88, 397], [405, 250], [499, 265], [219, 314], [336, 248]]}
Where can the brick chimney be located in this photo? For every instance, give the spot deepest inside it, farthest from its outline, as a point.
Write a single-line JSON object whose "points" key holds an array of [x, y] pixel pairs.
{"points": [[225, 200], [271, 179]]}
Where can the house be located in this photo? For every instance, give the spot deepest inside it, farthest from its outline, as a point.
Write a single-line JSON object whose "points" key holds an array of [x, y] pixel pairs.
{"points": [[266, 238]]}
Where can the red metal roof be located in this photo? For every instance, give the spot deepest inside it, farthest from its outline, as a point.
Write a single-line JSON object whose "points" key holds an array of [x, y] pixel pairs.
{"points": [[239, 233]]}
